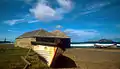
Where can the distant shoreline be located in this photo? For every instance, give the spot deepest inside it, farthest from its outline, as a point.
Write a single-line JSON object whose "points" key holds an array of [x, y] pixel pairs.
{"points": [[6, 43]]}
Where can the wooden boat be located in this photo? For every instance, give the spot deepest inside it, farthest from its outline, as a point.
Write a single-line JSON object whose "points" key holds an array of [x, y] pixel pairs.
{"points": [[50, 51], [48, 45], [99, 45]]}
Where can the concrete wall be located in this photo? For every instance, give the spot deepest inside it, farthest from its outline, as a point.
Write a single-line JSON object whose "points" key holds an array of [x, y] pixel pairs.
{"points": [[24, 42]]}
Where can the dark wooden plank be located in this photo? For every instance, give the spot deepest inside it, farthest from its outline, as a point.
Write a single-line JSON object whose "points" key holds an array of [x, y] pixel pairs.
{"points": [[25, 60], [43, 43]]}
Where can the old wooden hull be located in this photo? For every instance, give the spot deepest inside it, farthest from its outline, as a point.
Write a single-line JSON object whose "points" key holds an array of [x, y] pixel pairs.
{"points": [[48, 53]]}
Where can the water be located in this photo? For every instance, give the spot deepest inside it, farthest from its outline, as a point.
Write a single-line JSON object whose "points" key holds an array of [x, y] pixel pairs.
{"points": [[82, 45], [6, 43], [90, 45]]}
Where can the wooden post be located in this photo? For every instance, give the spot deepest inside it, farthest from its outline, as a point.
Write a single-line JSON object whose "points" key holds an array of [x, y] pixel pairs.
{"points": [[24, 59], [27, 53]]}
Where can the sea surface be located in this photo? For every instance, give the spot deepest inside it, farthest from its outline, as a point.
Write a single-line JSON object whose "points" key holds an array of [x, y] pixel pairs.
{"points": [[82, 44], [90, 44]]}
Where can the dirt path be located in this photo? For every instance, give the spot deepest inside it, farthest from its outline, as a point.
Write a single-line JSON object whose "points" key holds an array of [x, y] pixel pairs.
{"points": [[95, 58]]}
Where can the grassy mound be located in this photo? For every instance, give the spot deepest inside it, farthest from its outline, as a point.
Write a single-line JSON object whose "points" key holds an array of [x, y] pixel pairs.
{"points": [[10, 58]]}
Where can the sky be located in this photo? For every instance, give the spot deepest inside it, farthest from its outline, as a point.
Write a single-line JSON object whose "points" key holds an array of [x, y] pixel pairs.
{"points": [[81, 20]]}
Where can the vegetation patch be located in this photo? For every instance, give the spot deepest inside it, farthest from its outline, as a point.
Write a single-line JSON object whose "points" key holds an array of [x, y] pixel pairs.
{"points": [[10, 58]]}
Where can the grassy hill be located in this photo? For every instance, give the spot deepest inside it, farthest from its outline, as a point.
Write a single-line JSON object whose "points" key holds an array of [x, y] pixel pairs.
{"points": [[10, 58]]}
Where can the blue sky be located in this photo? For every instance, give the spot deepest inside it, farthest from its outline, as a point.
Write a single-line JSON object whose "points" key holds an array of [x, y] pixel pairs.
{"points": [[82, 20]]}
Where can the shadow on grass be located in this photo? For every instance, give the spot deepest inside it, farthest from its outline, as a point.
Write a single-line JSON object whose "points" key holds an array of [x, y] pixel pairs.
{"points": [[64, 62]]}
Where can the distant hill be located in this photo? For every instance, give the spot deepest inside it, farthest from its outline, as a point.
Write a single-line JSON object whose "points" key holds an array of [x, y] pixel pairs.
{"points": [[5, 42], [105, 40], [101, 40], [96, 41], [117, 39]]}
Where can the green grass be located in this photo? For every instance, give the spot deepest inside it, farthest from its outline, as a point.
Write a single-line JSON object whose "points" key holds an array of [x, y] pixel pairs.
{"points": [[6, 46], [10, 58]]}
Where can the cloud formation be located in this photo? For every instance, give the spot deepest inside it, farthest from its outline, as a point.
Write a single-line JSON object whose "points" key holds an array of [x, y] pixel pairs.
{"points": [[81, 34], [12, 30], [96, 5], [28, 1], [13, 21], [59, 26], [92, 7], [25, 19], [33, 21], [65, 6], [44, 12]]}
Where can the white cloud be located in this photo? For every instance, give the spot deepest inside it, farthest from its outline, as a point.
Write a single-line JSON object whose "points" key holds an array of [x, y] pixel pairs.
{"points": [[28, 1], [58, 26], [9, 30], [117, 25], [12, 30], [33, 21], [14, 21], [66, 4], [81, 32], [77, 34], [44, 12], [96, 5], [24, 19], [87, 12], [92, 7]]}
